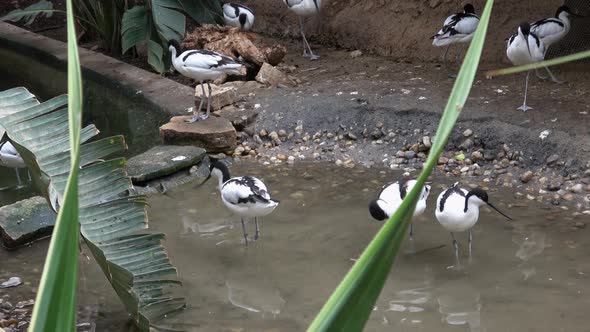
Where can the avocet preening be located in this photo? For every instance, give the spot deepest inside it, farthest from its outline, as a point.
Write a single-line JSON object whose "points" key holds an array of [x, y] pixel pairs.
{"points": [[303, 9], [457, 28], [551, 30], [246, 196], [238, 16], [9, 157], [202, 66], [391, 197], [457, 210], [523, 48]]}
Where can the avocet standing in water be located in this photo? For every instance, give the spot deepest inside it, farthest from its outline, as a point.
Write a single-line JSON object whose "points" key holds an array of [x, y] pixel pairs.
{"points": [[238, 16], [457, 28], [551, 30], [9, 157], [202, 66], [246, 196], [303, 9], [457, 210], [524, 48], [390, 198]]}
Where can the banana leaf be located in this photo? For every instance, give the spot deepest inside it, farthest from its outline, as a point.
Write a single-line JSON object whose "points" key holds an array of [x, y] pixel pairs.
{"points": [[30, 13], [135, 263]]}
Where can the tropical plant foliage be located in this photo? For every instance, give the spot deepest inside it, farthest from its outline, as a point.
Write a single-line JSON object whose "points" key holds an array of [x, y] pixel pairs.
{"points": [[93, 198], [30, 13], [350, 305], [159, 21], [102, 19]]}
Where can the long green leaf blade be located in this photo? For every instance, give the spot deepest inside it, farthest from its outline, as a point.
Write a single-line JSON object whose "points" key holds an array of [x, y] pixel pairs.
{"points": [[546, 63], [55, 307], [349, 307]]}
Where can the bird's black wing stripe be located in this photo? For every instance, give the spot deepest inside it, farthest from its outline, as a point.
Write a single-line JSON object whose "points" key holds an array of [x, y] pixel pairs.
{"points": [[225, 60], [385, 186], [537, 40], [189, 54], [236, 5], [547, 20], [403, 188], [315, 2], [443, 200], [236, 9]]}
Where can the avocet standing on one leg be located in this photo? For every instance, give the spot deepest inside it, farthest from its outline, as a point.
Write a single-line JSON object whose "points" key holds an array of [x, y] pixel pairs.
{"points": [[524, 48], [202, 66], [238, 16], [457, 210], [9, 157], [391, 197], [303, 9], [245, 196], [551, 30], [457, 28]]}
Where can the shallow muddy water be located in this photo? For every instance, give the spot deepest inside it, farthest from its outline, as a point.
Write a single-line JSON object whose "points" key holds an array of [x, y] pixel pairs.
{"points": [[530, 274]]}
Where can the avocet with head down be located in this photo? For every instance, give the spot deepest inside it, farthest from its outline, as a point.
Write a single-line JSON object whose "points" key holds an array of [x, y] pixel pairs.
{"points": [[303, 9], [524, 48], [552, 30], [457, 210], [203, 66], [246, 196], [391, 197], [238, 16], [10, 158], [457, 28]]}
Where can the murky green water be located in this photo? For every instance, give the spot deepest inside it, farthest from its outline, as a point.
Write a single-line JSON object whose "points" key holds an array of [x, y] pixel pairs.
{"points": [[527, 275]]}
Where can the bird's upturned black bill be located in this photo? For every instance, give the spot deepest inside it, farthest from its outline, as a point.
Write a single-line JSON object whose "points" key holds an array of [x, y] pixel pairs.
{"points": [[500, 212], [202, 183]]}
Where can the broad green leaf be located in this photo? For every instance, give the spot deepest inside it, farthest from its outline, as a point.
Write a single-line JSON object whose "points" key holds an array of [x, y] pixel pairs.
{"points": [[350, 305], [155, 55], [134, 27], [547, 63], [30, 13], [206, 11]]}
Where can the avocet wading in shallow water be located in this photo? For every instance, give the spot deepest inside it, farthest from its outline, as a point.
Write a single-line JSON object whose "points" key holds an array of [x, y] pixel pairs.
{"points": [[523, 48], [10, 158], [390, 198], [246, 196], [457, 210], [303, 9], [203, 66], [238, 16], [457, 28], [552, 30]]}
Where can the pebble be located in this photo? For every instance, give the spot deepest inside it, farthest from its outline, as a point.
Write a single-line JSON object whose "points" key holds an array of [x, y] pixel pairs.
{"points": [[476, 155], [577, 188], [442, 160], [552, 159], [568, 197], [468, 133], [263, 133], [410, 154], [553, 186], [273, 136], [351, 136], [355, 54], [465, 169], [376, 134], [282, 133], [526, 176], [426, 142], [11, 282], [281, 157]]}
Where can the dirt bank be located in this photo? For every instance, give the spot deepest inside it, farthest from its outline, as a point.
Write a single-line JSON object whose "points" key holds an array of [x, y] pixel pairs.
{"points": [[402, 29]]}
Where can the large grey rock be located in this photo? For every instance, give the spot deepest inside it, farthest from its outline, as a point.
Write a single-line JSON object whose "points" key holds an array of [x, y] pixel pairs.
{"points": [[213, 134], [163, 160], [25, 221]]}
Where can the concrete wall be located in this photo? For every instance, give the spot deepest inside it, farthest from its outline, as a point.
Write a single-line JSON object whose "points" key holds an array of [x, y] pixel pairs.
{"points": [[397, 28]]}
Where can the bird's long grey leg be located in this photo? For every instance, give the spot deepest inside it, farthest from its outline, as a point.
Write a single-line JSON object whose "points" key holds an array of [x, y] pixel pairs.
{"points": [[456, 247], [244, 230], [203, 117], [257, 235], [553, 78], [411, 231], [539, 74], [197, 110], [19, 182], [306, 43], [470, 240], [458, 56], [524, 106], [444, 58]]}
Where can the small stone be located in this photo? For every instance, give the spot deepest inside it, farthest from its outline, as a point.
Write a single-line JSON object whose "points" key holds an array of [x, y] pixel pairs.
{"points": [[442, 160], [11, 282], [271, 76], [25, 221], [466, 145], [468, 133], [476, 155], [410, 154], [338, 162], [221, 96], [376, 134], [379, 124], [282, 133], [553, 186], [568, 197], [351, 136], [465, 169], [552, 159], [290, 159], [526, 176], [263, 133], [426, 141], [281, 157], [273, 136], [356, 54], [577, 188]]}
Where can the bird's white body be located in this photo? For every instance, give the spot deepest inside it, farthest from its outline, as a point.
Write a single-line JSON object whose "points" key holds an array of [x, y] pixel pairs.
{"points": [[203, 65], [9, 157], [453, 216], [457, 28], [234, 13], [519, 54], [246, 196], [552, 30], [391, 197], [304, 8]]}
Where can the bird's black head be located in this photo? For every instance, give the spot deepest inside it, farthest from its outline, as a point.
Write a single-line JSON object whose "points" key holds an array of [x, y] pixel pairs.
{"points": [[479, 193], [525, 28], [219, 168], [468, 9], [174, 43], [376, 211], [563, 9]]}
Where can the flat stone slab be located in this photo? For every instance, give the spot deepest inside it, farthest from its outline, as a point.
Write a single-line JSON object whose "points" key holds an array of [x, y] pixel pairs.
{"points": [[163, 160], [221, 96], [239, 118], [25, 221], [213, 134]]}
